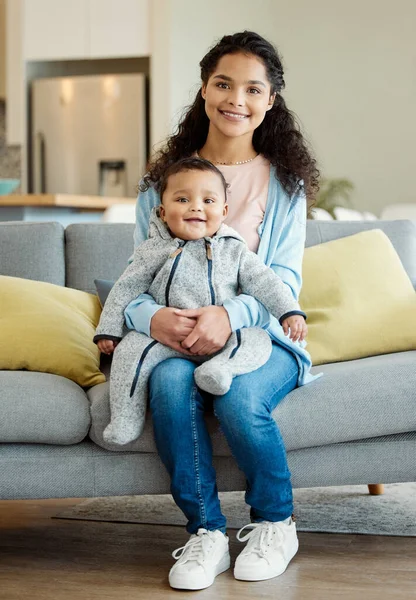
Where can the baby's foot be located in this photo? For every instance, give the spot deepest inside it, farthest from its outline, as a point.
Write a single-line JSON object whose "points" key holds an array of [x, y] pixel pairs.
{"points": [[213, 378], [121, 431]]}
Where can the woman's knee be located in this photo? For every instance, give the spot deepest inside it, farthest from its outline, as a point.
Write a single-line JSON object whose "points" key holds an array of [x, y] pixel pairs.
{"points": [[171, 382], [238, 407], [255, 395]]}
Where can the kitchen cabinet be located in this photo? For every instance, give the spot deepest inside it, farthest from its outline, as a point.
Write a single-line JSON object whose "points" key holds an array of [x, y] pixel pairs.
{"points": [[55, 29], [119, 28], [85, 29]]}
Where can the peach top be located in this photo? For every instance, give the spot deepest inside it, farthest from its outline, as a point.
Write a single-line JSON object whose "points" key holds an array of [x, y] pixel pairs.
{"points": [[247, 197]]}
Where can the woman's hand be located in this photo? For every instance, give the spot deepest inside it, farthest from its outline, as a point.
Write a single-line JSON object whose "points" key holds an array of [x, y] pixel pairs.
{"points": [[297, 326], [211, 331], [170, 329]]}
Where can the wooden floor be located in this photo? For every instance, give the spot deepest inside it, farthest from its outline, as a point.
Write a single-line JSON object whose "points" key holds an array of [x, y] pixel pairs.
{"points": [[52, 559]]}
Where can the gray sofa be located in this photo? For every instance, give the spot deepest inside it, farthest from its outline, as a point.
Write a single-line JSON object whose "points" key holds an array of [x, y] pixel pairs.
{"points": [[356, 425]]}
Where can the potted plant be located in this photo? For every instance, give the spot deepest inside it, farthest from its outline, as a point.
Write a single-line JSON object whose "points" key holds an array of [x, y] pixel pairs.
{"points": [[333, 193]]}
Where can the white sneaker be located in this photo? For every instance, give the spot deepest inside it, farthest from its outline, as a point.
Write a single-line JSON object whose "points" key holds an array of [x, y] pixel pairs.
{"points": [[203, 557], [270, 548]]}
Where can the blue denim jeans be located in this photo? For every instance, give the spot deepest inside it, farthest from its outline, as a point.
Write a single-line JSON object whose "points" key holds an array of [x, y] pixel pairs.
{"points": [[244, 413]]}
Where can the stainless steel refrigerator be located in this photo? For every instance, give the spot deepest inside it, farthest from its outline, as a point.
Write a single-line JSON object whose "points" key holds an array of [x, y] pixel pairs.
{"points": [[88, 134]]}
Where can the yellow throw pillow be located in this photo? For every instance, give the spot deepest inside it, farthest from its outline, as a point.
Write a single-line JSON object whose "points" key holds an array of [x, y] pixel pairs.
{"points": [[358, 298], [49, 328]]}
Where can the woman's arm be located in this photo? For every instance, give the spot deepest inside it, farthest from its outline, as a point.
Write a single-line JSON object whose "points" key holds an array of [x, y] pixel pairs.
{"points": [[246, 311], [139, 313], [146, 201]]}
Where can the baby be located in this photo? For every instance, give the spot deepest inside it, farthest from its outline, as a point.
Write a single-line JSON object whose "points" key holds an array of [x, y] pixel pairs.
{"points": [[190, 260]]}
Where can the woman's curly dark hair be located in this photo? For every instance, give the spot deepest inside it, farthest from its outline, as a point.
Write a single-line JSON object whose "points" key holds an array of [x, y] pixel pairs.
{"points": [[277, 138]]}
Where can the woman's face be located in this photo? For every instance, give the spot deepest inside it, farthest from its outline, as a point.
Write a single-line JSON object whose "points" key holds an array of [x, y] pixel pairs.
{"points": [[237, 95]]}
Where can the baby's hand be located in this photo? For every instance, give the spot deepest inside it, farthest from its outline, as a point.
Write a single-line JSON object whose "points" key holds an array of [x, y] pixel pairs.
{"points": [[297, 326], [107, 346]]}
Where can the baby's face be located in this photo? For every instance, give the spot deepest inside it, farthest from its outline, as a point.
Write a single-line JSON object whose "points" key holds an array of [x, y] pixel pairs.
{"points": [[193, 204]]}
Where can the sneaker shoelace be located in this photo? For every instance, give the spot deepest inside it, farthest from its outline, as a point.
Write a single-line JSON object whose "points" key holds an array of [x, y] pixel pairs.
{"points": [[261, 537], [196, 548]]}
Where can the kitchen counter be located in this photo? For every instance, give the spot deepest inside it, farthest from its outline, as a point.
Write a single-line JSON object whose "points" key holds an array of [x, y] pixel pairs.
{"points": [[68, 200], [64, 208]]}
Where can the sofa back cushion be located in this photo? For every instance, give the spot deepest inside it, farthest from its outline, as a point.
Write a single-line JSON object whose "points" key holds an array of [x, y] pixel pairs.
{"points": [[33, 251], [96, 251], [102, 250]]}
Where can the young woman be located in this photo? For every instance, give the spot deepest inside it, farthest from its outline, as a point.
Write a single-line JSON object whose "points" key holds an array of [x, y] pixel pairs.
{"points": [[239, 121]]}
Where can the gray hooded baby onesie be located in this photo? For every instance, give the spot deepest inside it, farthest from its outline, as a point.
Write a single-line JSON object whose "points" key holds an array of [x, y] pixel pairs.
{"points": [[185, 274]]}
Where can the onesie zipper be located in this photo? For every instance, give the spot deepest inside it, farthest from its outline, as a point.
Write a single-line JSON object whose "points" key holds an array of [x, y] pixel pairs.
{"points": [[139, 366], [177, 256], [209, 259]]}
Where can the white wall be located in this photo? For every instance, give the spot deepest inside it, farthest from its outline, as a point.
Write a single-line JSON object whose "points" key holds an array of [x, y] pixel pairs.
{"points": [[350, 76], [2, 49], [161, 71]]}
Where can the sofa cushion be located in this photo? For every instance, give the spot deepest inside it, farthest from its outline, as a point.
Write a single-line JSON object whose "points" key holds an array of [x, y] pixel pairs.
{"points": [[358, 399], [33, 251], [96, 251], [355, 400], [41, 408], [49, 328], [358, 298], [402, 235]]}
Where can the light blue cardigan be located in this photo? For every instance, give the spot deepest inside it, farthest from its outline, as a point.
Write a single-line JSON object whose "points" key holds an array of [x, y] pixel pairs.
{"points": [[282, 241]]}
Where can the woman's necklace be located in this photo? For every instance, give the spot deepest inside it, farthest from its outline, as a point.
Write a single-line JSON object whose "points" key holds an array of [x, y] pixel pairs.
{"points": [[240, 162]]}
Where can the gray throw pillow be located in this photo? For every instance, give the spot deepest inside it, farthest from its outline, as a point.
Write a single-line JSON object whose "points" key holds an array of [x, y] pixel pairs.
{"points": [[103, 287]]}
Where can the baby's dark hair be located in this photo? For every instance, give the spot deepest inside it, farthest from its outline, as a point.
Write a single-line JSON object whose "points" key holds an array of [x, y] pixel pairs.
{"points": [[278, 138], [192, 163]]}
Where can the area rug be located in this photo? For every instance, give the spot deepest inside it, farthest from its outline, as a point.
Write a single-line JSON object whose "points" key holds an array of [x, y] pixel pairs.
{"points": [[348, 509]]}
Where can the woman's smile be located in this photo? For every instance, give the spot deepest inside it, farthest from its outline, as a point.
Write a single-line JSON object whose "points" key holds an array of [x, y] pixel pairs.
{"points": [[233, 116]]}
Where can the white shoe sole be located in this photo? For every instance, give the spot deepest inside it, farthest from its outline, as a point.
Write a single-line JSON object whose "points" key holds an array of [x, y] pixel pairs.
{"points": [[181, 581], [247, 576]]}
